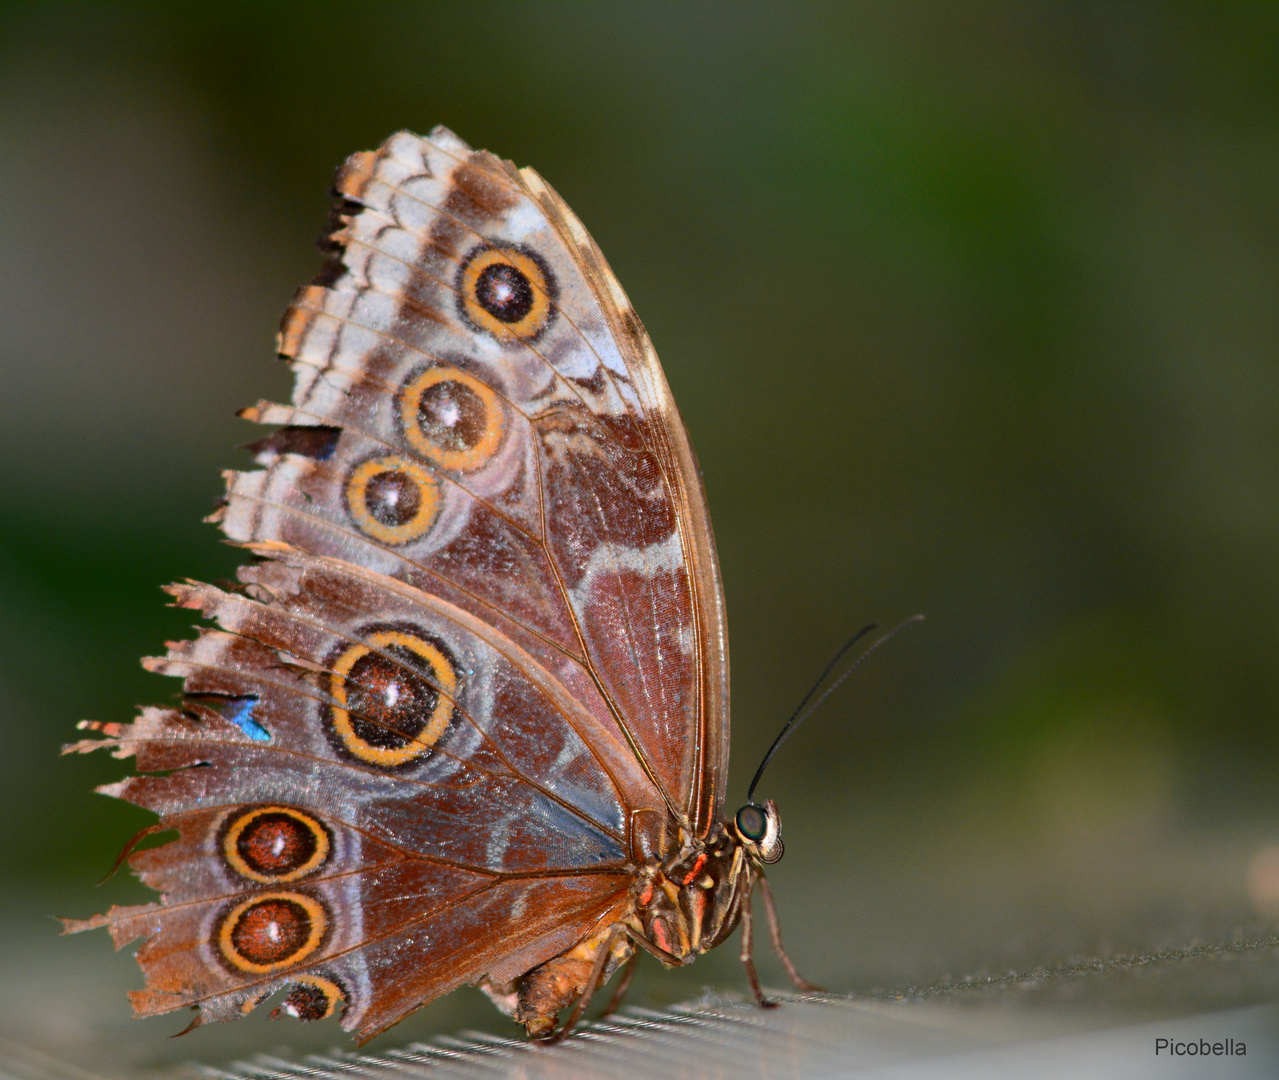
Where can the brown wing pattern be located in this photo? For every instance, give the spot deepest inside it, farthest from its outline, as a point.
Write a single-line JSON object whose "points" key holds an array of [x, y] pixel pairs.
{"points": [[502, 831], [578, 524], [707, 742], [480, 655]]}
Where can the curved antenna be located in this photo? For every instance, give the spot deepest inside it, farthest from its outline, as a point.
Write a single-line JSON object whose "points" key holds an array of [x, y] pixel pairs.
{"points": [[801, 713]]}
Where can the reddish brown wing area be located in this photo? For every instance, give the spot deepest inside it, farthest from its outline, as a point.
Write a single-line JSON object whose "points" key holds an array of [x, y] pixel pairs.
{"points": [[422, 930], [478, 669], [704, 743]]}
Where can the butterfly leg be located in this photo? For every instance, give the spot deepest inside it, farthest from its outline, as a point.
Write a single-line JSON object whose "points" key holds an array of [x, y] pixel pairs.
{"points": [[748, 948], [592, 984], [775, 929], [628, 973]]}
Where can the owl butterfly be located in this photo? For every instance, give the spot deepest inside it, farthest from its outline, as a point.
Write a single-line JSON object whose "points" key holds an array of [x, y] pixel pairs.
{"points": [[464, 716]]}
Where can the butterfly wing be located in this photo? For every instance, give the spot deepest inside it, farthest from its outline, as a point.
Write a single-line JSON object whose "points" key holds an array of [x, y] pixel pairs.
{"points": [[697, 736], [480, 662], [391, 804], [570, 506]]}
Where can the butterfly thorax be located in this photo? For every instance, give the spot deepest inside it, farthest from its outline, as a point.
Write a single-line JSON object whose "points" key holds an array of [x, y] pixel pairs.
{"points": [[690, 901]]}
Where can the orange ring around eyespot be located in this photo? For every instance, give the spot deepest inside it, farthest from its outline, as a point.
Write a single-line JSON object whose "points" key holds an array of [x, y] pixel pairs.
{"points": [[237, 862], [316, 918], [445, 687], [464, 460], [331, 991], [538, 315], [357, 487]]}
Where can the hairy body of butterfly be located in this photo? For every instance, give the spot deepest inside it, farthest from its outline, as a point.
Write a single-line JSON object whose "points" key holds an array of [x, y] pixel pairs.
{"points": [[464, 716]]}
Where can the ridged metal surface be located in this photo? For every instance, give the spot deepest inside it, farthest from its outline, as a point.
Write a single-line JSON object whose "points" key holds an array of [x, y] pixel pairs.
{"points": [[63, 1017], [805, 1039]]}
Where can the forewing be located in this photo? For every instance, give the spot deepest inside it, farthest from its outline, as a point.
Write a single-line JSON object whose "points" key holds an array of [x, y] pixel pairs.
{"points": [[705, 741], [565, 504]]}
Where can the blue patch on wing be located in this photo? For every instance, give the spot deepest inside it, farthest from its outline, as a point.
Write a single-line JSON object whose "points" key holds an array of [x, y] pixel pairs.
{"points": [[239, 710]]}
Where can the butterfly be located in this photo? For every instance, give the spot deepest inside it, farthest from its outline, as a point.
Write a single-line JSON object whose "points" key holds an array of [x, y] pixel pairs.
{"points": [[463, 717]]}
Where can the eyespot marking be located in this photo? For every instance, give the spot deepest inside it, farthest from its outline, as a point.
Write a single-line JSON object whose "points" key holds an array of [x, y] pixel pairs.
{"points": [[311, 997], [506, 291], [392, 499], [275, 844], [271, 931], [393, 697], [451, 418]]}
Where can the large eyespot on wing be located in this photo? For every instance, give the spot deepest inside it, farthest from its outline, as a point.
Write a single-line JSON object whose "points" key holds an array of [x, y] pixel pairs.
{"points": [[451, 418], [269, 932], [275, 844], [508, 292], [392, 500], [393, 696]]}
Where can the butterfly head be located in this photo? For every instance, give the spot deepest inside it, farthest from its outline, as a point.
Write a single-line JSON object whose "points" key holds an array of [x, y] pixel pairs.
{"points": [[759, 829]]}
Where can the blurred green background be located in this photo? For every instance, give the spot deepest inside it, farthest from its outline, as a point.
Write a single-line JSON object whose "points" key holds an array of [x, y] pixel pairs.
{"points": [[970, 309]]}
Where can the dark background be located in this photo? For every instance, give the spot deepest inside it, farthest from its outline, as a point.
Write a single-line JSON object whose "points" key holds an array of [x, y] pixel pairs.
{"points": [[970, 309]]}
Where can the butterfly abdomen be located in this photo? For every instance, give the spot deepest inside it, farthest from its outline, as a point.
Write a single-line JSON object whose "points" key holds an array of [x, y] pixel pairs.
{"points": [[548, 988]]}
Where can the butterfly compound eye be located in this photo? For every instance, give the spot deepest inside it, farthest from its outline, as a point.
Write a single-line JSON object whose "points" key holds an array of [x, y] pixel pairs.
{"points": [[752, 823], [760, 830]]}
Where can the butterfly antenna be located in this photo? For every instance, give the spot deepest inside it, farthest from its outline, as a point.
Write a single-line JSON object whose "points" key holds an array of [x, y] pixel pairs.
{"points": [[804, 710]]}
